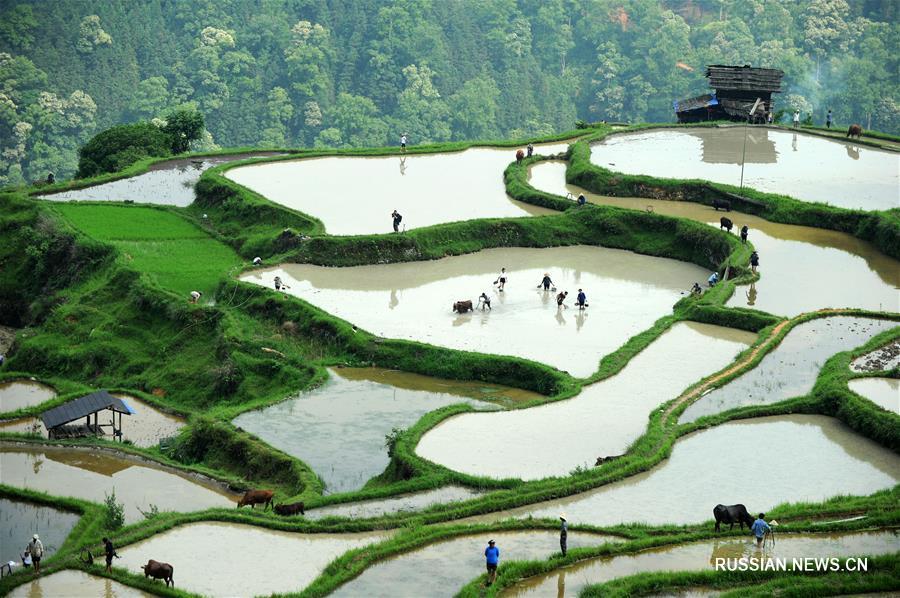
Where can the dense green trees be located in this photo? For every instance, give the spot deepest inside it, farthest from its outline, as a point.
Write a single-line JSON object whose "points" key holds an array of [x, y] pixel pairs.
{"points": [[353, 72]]}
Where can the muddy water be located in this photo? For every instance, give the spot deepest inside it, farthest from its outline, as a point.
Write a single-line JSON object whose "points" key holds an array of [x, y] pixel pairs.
{"points": [[800, 458], [884, 392], [882, 359], [626, 293], [699, 556], [21, 520], [791, 369], [441, 569], [220, 559], [148, 425], [92, 474], [405, 503], [805, 167], [364, 404], [356, 195], [23, 425], [16, 394], [839, 270], [170, 183], [76, 584], [603, 420]]}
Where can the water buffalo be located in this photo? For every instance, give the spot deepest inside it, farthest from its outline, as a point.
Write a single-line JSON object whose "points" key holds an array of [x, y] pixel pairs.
{"points": [[158, 570], [732, 514], [291, 509], [520, 155], [722, 203], [854, 131], [725, 223], [256, 497], [462, 307]]}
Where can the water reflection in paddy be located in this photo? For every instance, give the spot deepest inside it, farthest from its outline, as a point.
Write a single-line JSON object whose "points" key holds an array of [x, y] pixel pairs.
{"points": [[92, 474], [364, 404], [603, 420], [356, 195], [800, 457], [76, 584], [403, 503], [805, 167], [698, 556], [791, 369], [20, 520], [221, 559], [884, 392], [838, 270], [627, 292], [16, 394], [442, 568]]}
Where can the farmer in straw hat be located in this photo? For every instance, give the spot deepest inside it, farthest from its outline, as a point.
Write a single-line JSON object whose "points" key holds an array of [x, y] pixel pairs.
{"points": [[36, 551]]}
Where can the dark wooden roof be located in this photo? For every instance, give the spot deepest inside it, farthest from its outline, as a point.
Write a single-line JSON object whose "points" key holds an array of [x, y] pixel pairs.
{"points": [[82, 407], [743, 78]]}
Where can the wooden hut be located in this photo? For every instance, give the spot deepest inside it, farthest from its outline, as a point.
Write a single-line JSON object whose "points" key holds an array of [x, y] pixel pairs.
{"points": [[64, 421], [736, 90]]}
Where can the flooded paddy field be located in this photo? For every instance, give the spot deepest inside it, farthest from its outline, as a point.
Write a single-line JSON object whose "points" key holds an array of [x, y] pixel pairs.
{"points": [[802, 458], [91, 474], [700, 556], [16, 394], [20, 520], [790, 370], [881, 359], [884, 392], [356, 195], [838, 270], [363, 404], [603, 420], [168, 183], [626, 293], [442, 568], [76, 584], [805, 167], [403, 503], [221, 559]]}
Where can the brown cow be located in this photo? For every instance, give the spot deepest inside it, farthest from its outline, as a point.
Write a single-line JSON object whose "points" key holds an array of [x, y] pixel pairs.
{"points": [[854, 131], [158, 570], [256, 497], [462, 307], [520, 155], [291, 509]]}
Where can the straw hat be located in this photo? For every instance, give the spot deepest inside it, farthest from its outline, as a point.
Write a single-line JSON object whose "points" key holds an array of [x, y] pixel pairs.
{"points": [[35, 537]]}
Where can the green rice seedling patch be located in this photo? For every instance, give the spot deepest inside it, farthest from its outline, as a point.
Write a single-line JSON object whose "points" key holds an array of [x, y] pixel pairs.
{"points": [[113, 223]]}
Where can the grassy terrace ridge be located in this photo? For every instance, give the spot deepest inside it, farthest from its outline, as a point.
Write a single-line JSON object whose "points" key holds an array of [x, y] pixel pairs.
{"points": [[102, 287]]}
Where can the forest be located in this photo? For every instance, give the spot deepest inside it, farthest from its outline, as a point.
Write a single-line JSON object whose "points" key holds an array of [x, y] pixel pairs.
{"points": [[352, 73]]}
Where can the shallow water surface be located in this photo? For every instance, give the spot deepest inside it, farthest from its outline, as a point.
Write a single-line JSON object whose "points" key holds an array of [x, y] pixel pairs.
{"points": [[403, 503], [699, 556], [884, 392], [169, 183], [626, 293], [791, 369], [356, 195], [362, 404], [148, 425], [16, 394], [76, 584], [92, 474], [881, 359], [805, 167], [19, 521], [222, 559], [442, 568], [800, 457], [838, 270], [603, 420]]}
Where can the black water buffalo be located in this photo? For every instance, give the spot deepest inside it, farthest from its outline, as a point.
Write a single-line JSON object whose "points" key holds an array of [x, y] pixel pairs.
{"points": [[291, 509], [732, 514], [722, 203], [158, 570], [854, 131], [462, 307], [725, 223]]}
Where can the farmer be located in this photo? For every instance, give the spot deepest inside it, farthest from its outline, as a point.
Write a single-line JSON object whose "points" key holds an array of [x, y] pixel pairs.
{"points": [[744, 231], [530, 150], [754, 261], [560, 298], [546, 282], [563, 533], [51, 178], [484, 301], [828, 119], [403, 139], [257, 261], [713, 279], [759, 529], [696, 290], [279, 284], [491, 559], [581, 300], [36, 550], [397, 219], [195, 296], [582, 199], [501, 279], [796, 118], [110, 551]]}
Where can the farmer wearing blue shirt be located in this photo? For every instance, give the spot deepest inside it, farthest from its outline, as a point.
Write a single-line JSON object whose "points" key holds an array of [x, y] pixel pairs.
{"points": [[492, 559], [759, 529]]}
